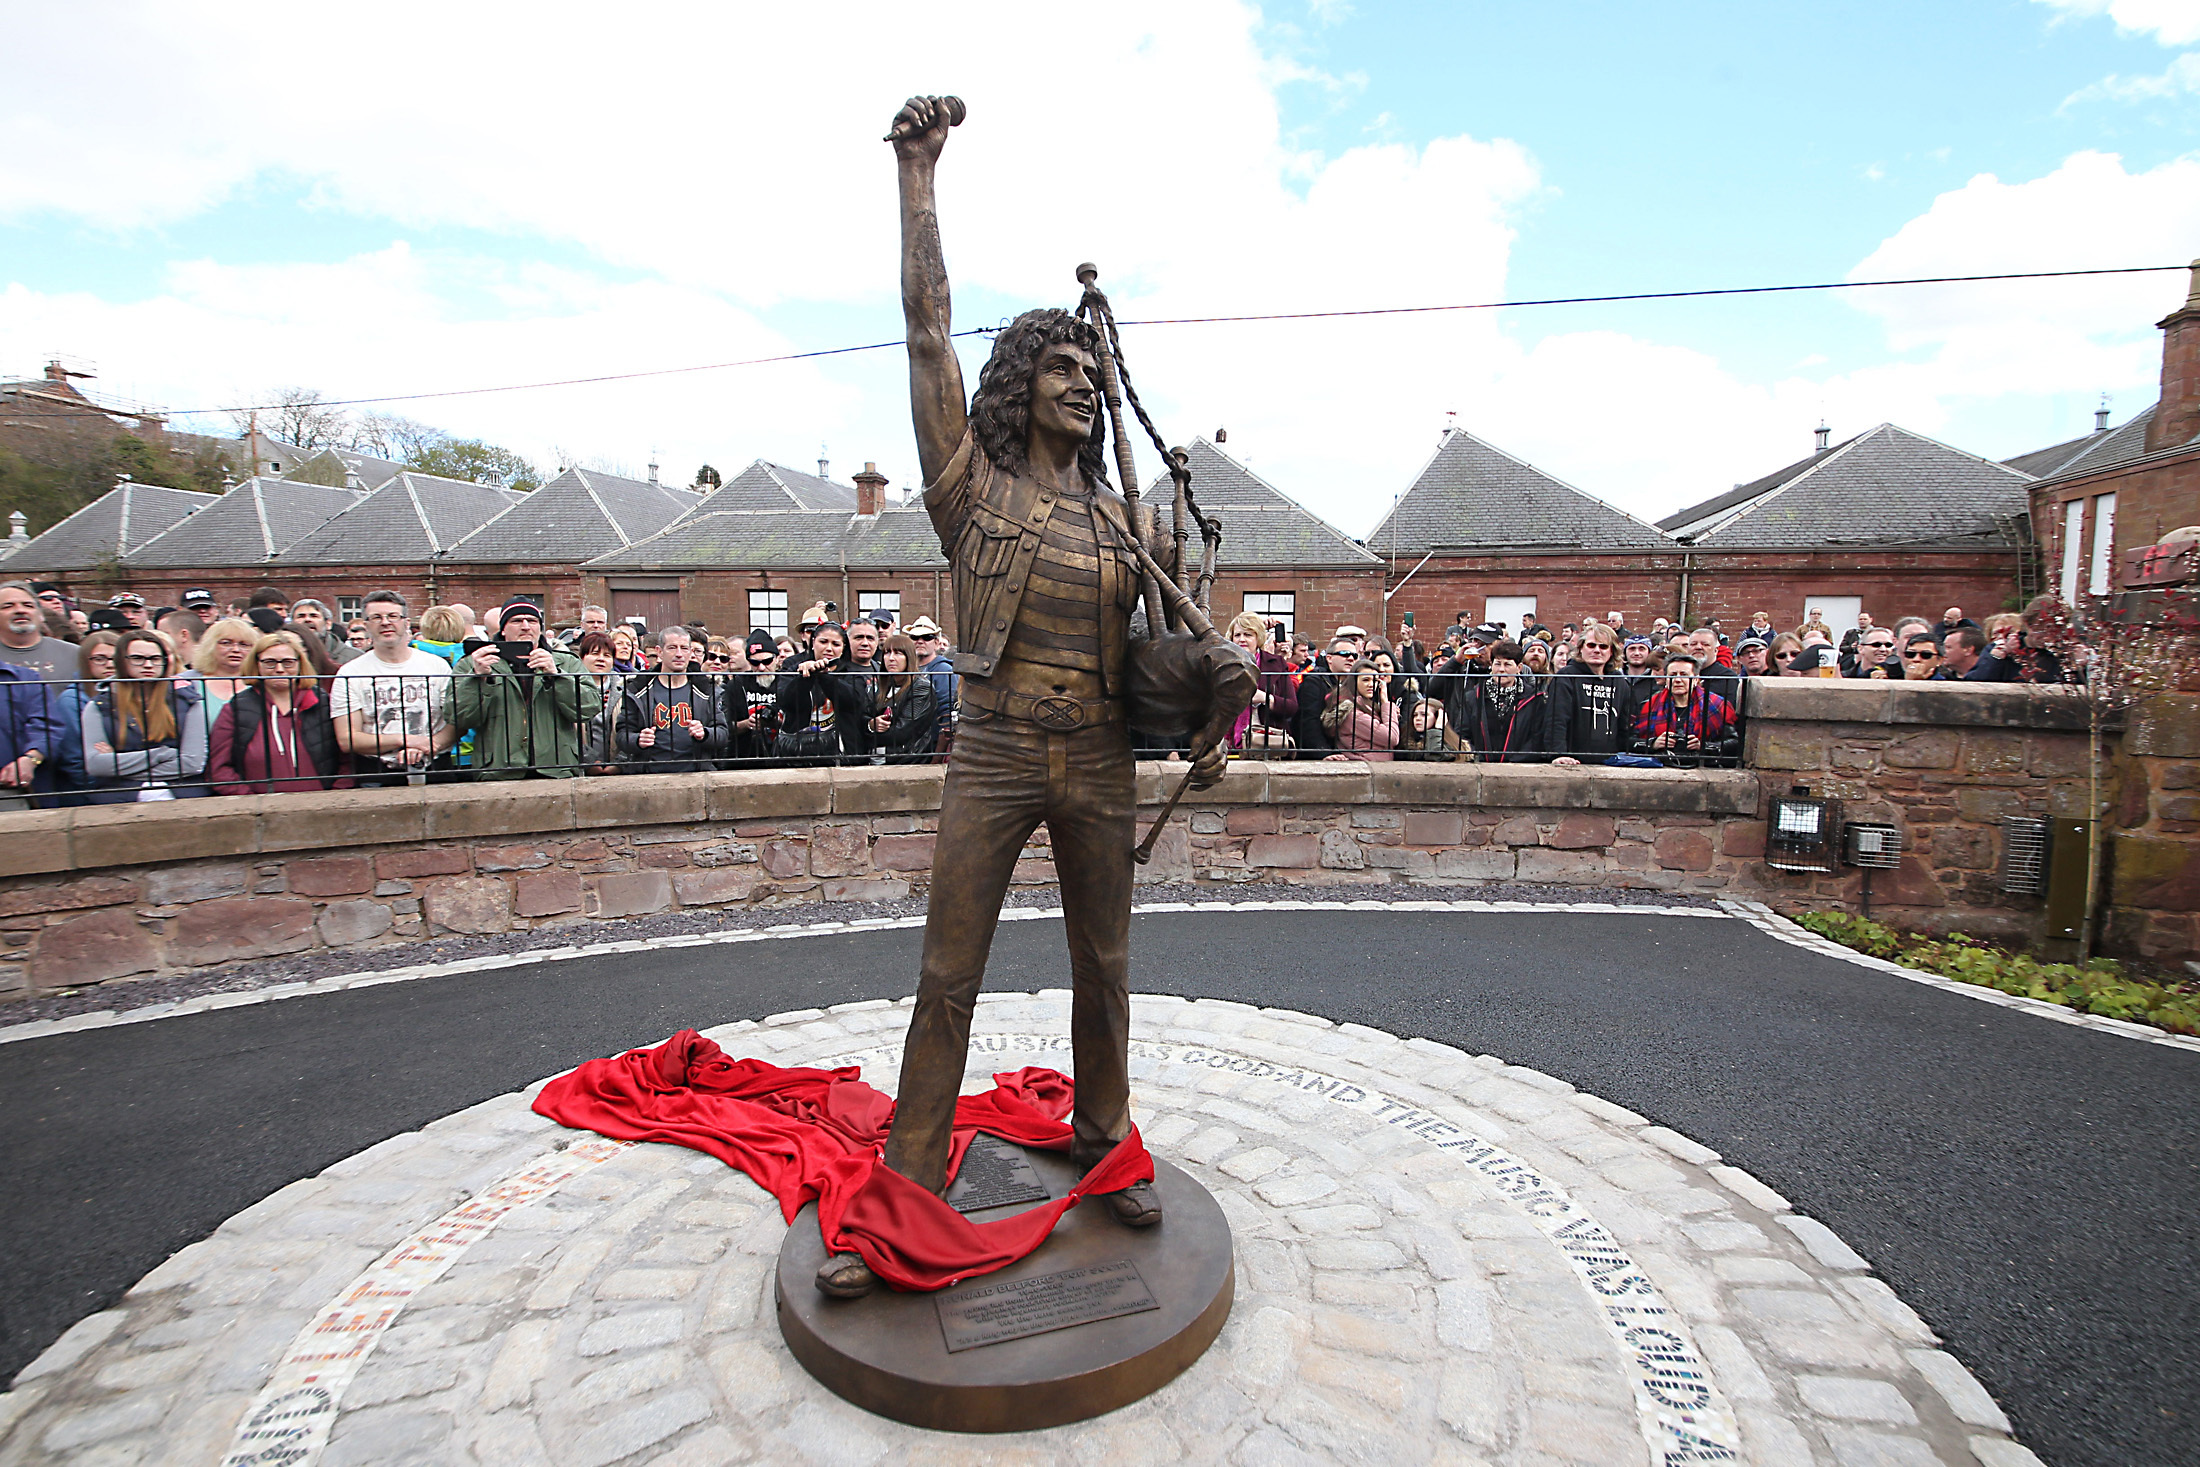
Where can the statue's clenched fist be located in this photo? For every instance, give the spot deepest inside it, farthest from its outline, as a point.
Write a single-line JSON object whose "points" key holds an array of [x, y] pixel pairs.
{"points": [[920, 127]]}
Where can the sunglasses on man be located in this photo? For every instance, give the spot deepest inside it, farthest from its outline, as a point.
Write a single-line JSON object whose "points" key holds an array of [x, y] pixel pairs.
{"points": [[1927, 656]]}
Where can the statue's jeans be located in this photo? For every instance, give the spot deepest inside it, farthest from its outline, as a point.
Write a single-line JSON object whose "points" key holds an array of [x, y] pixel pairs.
{"points": [[1004, 777]]}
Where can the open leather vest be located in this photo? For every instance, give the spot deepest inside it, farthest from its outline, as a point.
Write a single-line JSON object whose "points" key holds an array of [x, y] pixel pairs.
{"points": [[1008, 568]]}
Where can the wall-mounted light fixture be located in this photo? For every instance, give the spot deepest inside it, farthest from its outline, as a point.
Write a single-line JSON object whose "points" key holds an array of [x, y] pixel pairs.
{"points": [[1799, 832], [1871, 846]]}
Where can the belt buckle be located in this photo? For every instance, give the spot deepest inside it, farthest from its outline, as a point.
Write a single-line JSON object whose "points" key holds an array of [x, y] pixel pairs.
{"points": [[1058, 712]]}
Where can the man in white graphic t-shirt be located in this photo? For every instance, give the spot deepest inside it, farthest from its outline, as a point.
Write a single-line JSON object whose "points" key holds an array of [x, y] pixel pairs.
{"points": [[388, 706]]}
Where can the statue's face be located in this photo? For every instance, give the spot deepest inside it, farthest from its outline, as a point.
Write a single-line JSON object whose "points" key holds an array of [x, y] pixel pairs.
{"points": [[1064, 392]]}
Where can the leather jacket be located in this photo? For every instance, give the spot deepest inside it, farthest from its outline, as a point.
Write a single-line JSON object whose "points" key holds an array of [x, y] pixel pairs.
{"points": [[989, 523]]}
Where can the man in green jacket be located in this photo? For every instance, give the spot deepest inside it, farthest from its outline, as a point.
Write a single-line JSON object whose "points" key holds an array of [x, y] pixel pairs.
{"points": [[526, 702]]}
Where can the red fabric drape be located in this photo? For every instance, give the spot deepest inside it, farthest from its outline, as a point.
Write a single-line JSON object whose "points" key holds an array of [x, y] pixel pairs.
{"points": [[807, 1135]]}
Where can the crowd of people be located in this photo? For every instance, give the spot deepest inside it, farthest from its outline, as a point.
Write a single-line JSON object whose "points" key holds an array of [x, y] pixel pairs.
{"points": [[129, 702]]}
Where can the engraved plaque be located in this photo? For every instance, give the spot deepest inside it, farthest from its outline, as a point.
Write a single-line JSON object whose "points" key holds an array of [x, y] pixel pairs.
{"points": [[994, 1173], [989, 1314]]}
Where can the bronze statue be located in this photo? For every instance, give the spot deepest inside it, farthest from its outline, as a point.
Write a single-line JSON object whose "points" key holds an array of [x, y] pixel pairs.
{"points": [[1048, 570]]}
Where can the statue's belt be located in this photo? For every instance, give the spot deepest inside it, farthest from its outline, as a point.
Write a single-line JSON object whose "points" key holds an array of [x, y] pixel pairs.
{"points": [[1049, 711]]}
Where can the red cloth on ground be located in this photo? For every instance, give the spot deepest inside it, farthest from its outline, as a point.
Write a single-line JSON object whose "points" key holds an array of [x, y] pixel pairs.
{"points": [[807, 1135]]}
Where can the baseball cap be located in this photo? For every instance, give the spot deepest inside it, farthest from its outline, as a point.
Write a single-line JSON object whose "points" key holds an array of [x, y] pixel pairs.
{"points": [[1748, 642], [127, 598], [1488, 631], [198, 596], [923, 626], [1348, 631]]}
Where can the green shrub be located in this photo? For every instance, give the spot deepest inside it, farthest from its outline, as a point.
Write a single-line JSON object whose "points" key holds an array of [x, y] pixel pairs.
{"points": [[2100, 986]]}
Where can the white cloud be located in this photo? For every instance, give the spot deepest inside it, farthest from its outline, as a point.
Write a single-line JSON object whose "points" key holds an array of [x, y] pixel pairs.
{"points": [[724, 167], [2171, 22], [2182, 76]]}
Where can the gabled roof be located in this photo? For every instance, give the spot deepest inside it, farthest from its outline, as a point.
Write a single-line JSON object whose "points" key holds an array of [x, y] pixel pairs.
{"points": [[580, 513], [111, 526], [408, 521], [768, 487], [373, 472], [1685, 524], [255, 520], [1472, 496], [2041, 462], [748, 539], [1885, 487], [1261, 525], [2097, 451]]}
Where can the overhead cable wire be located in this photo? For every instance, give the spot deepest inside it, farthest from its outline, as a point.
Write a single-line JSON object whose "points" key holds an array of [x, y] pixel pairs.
{"points": [[1570, 300]]}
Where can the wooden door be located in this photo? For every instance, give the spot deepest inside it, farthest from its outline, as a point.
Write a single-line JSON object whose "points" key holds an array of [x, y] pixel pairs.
{"points": [[659, 609]]}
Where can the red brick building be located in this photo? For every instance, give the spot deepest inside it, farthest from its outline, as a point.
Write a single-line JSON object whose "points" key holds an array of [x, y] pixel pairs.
{"points": [[2105, 501], [1493, 536], [774, 541], [1890, 522]]}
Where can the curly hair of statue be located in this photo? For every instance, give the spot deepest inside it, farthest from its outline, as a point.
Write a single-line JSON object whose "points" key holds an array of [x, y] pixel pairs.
{"points": [[1000, 410]]}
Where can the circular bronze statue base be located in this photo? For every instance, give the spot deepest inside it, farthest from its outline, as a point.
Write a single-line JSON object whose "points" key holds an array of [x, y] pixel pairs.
{"points": [[1097, 1317]]}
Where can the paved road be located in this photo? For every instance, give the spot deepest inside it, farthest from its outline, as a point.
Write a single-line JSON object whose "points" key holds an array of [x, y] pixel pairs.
{"points": [[2027, 1186]]}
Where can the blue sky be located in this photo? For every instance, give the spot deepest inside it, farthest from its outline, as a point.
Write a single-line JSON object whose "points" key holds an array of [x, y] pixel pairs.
{"points": [[703, 183]]}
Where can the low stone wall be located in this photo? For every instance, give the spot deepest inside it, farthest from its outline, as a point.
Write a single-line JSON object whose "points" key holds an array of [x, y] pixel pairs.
{"points": [[96, 894], [1945, 762], [91, 895]]}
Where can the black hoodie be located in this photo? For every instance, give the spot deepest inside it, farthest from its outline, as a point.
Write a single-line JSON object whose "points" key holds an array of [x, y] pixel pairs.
{"points": [[650, 704], [1591, 717]]}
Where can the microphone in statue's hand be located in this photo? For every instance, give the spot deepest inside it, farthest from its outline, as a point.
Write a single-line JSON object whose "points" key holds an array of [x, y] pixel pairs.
{"points": [[907, 122]]}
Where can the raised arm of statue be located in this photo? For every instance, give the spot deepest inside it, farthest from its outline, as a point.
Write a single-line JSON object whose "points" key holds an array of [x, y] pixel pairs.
{"points": [[936, 400]]}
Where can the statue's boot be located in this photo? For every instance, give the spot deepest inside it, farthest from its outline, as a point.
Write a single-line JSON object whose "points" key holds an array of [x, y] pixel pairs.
{"points": [[1136, 1206], [845, 1276]]}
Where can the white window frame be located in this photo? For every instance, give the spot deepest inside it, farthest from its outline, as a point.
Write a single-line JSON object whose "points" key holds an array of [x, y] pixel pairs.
{"points": [[1280, 606], [350, 608], [870, 603], [2073, 548], [1517, 609], [2101, 580], [767, 609]]}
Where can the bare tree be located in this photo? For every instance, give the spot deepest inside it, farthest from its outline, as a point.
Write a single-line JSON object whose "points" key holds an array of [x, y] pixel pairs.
{"points": [[301, 416], [398, 439]]}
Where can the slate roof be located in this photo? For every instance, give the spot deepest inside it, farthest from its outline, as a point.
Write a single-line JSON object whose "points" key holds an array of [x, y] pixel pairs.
{"points": [[1683, 524], [1885, 487], [1261, 525], [1472, 496], [2095, 451], [408, 521], [766, 487], [257, 519], [579, 514], [751, 539], [112, 525], [373, 472]]}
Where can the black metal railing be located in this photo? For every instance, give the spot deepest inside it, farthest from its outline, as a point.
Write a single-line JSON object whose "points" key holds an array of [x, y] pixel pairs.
{"points": [[124, 740]]}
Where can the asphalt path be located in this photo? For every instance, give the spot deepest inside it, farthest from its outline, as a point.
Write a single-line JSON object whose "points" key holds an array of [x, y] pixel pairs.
{"points": [[2029, 1187]]}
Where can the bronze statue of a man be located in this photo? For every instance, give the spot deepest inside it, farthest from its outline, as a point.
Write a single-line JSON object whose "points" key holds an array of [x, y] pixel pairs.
{"points": [[1045, 586]]}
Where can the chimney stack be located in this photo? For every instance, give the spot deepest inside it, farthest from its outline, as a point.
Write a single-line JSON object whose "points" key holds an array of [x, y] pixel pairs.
{"points": [[1824, 433], [870, 490], [2177, 419]]}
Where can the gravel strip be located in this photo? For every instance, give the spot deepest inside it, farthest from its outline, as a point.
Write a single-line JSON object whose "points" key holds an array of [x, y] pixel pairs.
{"points": [[134, 993]]}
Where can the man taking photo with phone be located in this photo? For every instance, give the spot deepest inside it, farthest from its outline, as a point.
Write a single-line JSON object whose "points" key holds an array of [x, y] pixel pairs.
{"points": [[526, 702]]}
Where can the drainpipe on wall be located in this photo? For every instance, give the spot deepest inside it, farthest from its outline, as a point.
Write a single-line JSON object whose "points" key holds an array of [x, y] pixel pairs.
{"points": [[1688, 563], [847, 602]]}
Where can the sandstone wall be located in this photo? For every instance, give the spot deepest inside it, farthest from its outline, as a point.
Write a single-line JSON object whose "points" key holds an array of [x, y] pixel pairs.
{"points": [[96, 894]]}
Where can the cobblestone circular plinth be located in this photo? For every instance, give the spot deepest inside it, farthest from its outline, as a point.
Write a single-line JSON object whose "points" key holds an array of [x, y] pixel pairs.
{"points": [[1442, 1258]]}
